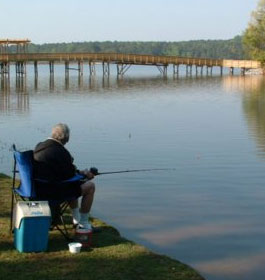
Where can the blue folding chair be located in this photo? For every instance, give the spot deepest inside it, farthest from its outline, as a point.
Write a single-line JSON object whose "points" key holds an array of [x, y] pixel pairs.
{"points": [[23, 165]]}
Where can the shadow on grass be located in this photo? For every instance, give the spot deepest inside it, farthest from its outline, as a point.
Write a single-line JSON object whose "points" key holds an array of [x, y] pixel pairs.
{"points": [[129, 264], [57, 243], [6, 245], [108, 236], [5, 214]]}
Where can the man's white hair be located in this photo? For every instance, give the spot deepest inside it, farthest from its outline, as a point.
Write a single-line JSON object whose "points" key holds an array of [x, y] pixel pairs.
{"points": [[61, 132]]}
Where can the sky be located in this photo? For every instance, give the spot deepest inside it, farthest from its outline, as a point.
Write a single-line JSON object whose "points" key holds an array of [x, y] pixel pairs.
{"points": [[53, 21]]}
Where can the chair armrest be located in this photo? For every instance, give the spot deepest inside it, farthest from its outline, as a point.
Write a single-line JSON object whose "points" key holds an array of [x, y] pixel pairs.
{"points": [[75, 178]]}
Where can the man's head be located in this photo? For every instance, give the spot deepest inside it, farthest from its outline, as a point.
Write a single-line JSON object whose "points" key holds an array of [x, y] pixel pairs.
{"points": [[61, 133]]}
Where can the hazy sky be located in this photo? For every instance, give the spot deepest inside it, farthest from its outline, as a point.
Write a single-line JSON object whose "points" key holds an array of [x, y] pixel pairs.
{"points": [[123, 20]]}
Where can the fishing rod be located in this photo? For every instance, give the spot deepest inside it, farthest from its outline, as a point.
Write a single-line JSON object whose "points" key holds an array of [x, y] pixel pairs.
{"points": [[94, 170]]}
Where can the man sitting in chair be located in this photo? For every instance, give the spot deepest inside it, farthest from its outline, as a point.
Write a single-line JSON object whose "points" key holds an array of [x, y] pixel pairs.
{"points": [[54, 163]]}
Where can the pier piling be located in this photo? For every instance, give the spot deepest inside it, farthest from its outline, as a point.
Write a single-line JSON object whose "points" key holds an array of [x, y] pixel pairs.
{"points": [[92, 68], [175, 69], [66, 69], [51, 65], [106, 69], [80, 68], [36, 69], [243, 71]]}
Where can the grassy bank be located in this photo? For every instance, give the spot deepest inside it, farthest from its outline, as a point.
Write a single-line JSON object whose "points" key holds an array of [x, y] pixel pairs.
{"points": [[112, 257]]}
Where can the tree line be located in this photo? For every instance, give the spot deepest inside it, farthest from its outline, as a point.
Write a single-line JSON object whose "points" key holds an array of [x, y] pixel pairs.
{"points": [[230, 49], [254, 36]]}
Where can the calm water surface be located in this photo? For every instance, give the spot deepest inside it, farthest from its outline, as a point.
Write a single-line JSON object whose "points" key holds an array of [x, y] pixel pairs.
{"points": [[209, 212]]}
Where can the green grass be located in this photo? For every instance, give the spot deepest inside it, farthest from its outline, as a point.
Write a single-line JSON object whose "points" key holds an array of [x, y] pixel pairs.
{"points": [[111, 256]]}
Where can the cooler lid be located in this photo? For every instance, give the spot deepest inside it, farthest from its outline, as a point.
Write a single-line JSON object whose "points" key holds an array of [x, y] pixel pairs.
{"points": [[26, 209]]}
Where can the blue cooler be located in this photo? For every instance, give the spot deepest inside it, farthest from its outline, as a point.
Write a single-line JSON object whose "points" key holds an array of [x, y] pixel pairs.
{"points": [[32, 223]]}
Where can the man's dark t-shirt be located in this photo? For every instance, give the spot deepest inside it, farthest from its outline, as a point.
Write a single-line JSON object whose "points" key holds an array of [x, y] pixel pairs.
{"points": [[53, 162]]}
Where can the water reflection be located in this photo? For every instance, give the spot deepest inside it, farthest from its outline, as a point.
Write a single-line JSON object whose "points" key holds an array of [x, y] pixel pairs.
{"points": [[14, 100], [245, 84], [36, 84], [21, 84], [106, 82], [242, 267], [97, 83], [51, 83], [175, 235], [253, 88], [25, 86]]}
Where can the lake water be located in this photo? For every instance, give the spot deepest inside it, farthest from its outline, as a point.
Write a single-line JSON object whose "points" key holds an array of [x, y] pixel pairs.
{"points": [[209, 211]]}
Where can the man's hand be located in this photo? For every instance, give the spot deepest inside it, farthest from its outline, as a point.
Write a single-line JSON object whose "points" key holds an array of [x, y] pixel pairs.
{"points": [[94, 171], [88, 174]]}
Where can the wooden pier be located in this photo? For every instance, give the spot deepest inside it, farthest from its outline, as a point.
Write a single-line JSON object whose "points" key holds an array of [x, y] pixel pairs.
{"points": [[123, 62]]}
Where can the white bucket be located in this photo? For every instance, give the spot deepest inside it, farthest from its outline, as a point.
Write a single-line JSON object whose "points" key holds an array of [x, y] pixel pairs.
{"points": [[74, 247]]}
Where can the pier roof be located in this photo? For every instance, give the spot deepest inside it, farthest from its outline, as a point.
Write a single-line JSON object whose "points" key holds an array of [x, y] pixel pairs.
{"points": [[14, 41]]}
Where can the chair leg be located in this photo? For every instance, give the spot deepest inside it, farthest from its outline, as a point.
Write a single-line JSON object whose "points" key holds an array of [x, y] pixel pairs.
{"points": [[64, 233], [12, 193], [57, 219], [11, 213]]}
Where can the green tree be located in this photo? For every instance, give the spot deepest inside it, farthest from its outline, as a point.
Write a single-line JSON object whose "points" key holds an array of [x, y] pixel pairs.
{"points": [[254, 36]]}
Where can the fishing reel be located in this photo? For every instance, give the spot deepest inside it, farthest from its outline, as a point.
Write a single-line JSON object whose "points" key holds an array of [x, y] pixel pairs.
{"points": [[94, 171]]}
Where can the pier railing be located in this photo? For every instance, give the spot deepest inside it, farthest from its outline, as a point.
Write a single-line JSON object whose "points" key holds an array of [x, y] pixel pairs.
{"points": [[121, 60], [109, 57]]}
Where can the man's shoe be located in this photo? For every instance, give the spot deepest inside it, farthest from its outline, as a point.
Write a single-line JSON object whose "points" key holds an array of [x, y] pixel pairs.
{"points": [[85, 226]]}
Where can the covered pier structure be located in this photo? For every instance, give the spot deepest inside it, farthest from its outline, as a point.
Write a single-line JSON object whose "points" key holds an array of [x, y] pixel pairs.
{"points": [[21, 45], [8, 46]]}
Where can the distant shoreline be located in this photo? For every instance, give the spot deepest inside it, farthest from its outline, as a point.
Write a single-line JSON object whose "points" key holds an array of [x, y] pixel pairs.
{"points": [[215, 49]]}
